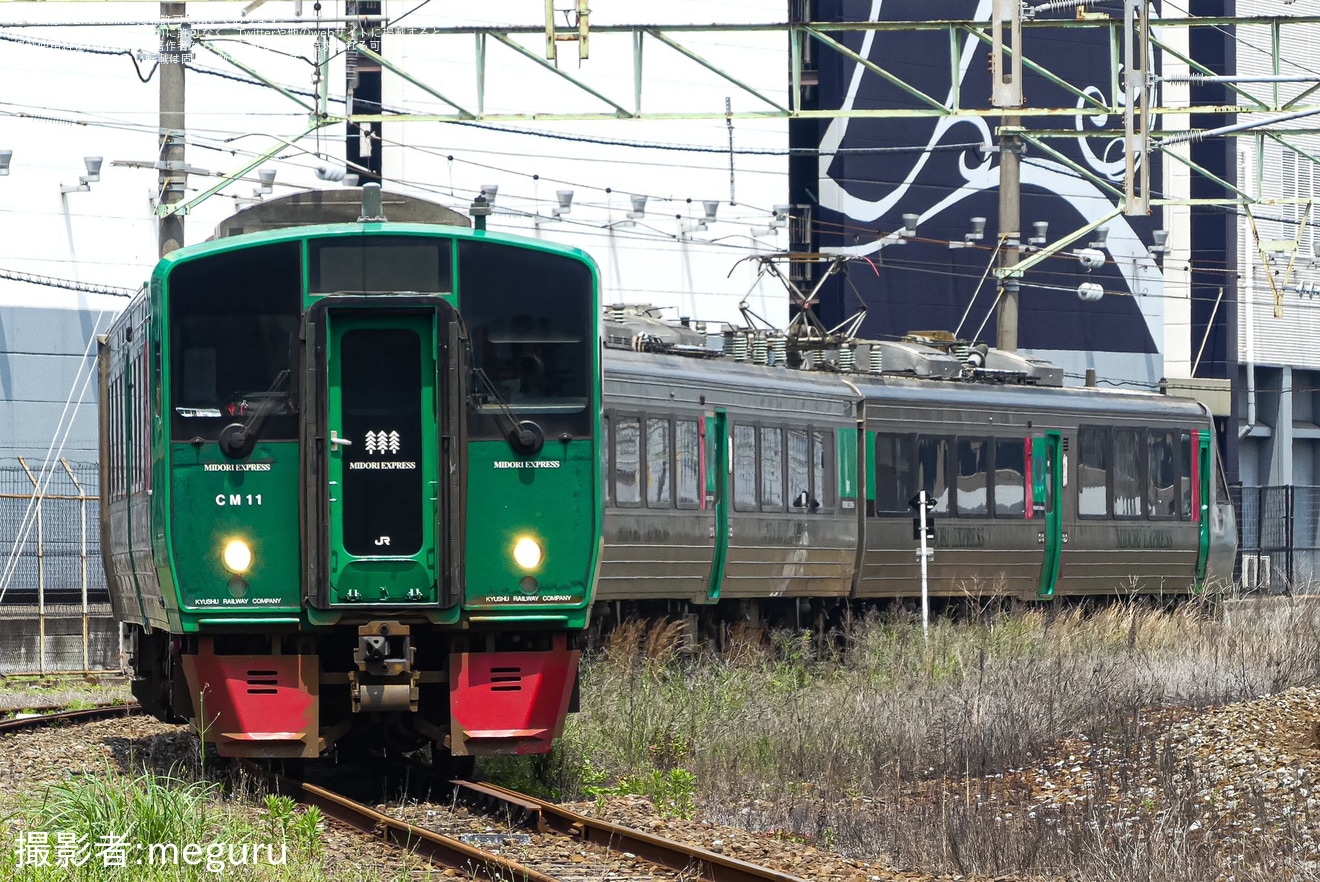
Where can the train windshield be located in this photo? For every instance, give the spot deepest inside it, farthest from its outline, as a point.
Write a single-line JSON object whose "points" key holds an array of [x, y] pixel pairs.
{"points": [[529, 316], [234, 320]]}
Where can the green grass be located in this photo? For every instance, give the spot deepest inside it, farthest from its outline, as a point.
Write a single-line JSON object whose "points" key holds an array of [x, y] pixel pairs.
{"points": [[150, 826], [18, 693]]}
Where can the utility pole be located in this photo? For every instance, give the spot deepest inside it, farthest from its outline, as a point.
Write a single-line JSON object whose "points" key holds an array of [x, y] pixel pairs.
{"points": [[173, 174], [363, 143], [1006, 91], [1010, 224]]}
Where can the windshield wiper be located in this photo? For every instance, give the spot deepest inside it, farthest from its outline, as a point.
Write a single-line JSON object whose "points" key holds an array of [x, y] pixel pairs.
{"points": [[237, 439], [525, 436]]}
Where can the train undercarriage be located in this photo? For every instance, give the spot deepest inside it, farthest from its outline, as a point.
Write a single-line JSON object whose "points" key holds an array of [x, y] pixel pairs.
{"points": [[381, 685]]}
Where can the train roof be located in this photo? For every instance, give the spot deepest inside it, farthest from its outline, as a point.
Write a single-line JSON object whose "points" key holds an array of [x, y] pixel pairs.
{"points": [[366, 228], [666, 368]]}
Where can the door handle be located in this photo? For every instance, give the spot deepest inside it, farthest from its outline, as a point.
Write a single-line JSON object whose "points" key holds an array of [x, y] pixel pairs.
{"points": [[335, 439]]}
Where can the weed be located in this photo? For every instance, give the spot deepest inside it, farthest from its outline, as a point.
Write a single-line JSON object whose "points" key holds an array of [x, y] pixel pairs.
{"points": [[904, 747]]}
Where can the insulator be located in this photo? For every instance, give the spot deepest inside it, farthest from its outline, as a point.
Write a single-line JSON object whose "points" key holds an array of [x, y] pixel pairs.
{"points": [[760, 351], [351, 67], [846, 357], [877, 364], [619, 312], [739, 346], [779, 347]]}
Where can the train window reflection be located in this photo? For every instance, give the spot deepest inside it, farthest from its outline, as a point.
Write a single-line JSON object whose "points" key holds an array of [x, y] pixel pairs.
{"points": [[1093, 472], [234, 345], [525, 312], [894, 470], [1185, 454], [379, 264], [821, 457], [1010, 478], [687, 489], [1161, 491], [932, 461], [657, 463], [627, 461], [800, 497], [973, 477], [772, 469], [1128, 471], [605, 453], [744, 468]]}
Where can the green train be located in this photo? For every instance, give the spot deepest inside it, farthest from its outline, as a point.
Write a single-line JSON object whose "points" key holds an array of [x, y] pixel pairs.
{"points": [[350, 487]]}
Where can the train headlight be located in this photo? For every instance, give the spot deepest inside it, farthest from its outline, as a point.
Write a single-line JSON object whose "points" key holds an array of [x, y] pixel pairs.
{"points": [[527, 553], [237, 556]]}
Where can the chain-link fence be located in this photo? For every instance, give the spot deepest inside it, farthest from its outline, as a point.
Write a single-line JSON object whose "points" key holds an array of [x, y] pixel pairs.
{"points": [[54, 609], [1278, 537]]}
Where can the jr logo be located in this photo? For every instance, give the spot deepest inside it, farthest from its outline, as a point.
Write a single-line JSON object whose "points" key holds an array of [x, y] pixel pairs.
{"points": [[383, 540]]}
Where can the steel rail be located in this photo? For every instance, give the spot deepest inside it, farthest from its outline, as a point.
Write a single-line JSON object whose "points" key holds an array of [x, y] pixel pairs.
{"points": [[654, 849], [86, 715], [437, 848]]}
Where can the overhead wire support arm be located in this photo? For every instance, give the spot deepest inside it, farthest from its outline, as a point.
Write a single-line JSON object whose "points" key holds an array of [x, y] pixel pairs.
{"points": [[504, 38], [366, 51], [1063, 159], [1055, 247], [232, 177], [209, 46]]}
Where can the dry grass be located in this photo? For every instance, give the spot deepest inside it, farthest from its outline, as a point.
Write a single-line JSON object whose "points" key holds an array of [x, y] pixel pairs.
{"points": [[886, 745]]}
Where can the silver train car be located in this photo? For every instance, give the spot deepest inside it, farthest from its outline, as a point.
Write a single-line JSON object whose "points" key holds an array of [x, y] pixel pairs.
{"points": [[731, 481]]}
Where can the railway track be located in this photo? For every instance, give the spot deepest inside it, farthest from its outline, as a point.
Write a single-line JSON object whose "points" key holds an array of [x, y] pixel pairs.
{"points": [[47, 716], [514, 836]]}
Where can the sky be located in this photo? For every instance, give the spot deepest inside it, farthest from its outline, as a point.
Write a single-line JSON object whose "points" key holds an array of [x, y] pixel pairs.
{"points": [[76, 90]]}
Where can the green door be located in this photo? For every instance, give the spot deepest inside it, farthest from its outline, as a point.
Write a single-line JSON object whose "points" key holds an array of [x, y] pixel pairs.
{"points": [[1202, 472], [716, 447], [1047, 502], [382, 452]]}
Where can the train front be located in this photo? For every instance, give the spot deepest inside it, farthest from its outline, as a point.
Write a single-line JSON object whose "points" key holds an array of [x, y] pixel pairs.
{"points": [[381, 517]]}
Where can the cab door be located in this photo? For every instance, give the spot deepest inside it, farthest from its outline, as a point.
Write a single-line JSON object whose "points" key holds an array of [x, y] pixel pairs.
{"points": [[382, 455]]}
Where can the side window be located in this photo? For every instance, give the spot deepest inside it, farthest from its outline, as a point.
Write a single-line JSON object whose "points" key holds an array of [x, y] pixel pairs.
{"points": [[658, 467], [932, 465], [800, 497], [822, 473], [1185, 455], [1220, 481], [605, 451], [1162, 474], [744, 468], [973, 477], [894, 470], [1010, 478], [687, 489], [1128, 471], [772, 469], [1093, 472], [627, 461]]}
